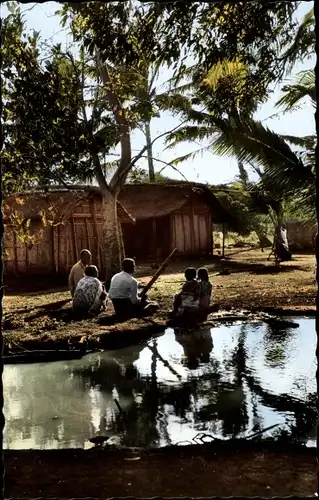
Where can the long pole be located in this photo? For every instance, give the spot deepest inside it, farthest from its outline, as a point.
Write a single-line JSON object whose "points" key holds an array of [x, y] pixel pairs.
{"points": [[157, 274]]}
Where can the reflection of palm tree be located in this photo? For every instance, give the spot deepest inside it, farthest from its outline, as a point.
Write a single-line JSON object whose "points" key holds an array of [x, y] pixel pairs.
{"points": [[275, 344], [235, 417]]}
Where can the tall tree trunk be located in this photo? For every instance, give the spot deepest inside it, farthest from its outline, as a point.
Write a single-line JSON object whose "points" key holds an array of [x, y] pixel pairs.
{"points": [[151, 172], [112, 251], [111, 242]]}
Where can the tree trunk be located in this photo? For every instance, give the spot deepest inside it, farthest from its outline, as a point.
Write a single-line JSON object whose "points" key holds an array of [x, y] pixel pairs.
{"points": [[151, 171], [112, 251]]}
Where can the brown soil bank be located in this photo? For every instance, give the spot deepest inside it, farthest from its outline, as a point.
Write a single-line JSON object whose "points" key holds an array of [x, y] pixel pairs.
{"points": [[190, 471], [253, 283]]}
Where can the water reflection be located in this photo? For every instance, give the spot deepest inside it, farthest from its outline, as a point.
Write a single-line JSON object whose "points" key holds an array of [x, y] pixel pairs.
{"points": [[197, 346], [225, 381]]}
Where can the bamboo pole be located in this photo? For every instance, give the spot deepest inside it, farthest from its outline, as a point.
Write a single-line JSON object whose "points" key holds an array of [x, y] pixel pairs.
{"points": [[157, 274], [26, 257], [53, 248], [192, 223], [75, 247], [15, 250], [67, 255], [97, 236], [87, 234], [58, 250]]}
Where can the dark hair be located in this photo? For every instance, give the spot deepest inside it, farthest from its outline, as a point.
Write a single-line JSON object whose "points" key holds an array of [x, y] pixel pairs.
{"points": [[202, 274], [91, 271], [85, 252], [190, 273], [128, 265]]}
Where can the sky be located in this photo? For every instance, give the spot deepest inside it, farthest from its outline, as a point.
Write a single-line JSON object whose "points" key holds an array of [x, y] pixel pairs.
{"points": [[205, 168]]}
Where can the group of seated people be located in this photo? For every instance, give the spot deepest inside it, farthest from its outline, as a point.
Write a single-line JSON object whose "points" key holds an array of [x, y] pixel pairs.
{"points": [[89, 295], [194, 300]]}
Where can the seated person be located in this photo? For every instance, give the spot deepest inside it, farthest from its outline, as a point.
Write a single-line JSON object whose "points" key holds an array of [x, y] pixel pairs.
{"points": [[77, 271], [206, 288], [89, 296], [188, 298], [124, 294]]}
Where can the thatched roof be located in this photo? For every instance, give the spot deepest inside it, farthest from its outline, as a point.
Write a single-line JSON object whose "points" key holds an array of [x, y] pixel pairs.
{"points": [[136, 201], [30, 203], [145, 201]]}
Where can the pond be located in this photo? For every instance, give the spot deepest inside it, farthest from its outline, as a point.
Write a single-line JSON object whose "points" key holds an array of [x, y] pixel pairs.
{"points": [[228, 381]]}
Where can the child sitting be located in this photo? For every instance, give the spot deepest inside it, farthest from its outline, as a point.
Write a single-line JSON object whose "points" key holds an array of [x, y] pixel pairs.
{"points": [[205, 288], [205, 294], [188, 298]]}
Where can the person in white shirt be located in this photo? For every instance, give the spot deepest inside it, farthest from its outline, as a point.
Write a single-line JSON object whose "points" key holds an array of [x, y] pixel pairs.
{"points": [[123, 292]]}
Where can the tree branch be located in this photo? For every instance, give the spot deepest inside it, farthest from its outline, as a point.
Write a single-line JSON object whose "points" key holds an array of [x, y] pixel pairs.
{"points": [[125, 171], [167, 164]]}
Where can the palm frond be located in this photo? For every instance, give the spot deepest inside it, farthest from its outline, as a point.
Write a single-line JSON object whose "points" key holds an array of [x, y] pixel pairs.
{"points": [[304, 42], [305, 86], [188, 134], [235, 69], [308, 141], [251, 142], [189, 156]]}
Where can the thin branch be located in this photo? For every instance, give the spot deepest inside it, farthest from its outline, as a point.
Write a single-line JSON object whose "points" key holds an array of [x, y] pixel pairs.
{"points": [[167, 164], [131, 164]]}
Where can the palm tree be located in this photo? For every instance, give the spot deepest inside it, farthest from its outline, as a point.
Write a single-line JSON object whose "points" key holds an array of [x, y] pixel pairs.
{"points": [[283, 171]]}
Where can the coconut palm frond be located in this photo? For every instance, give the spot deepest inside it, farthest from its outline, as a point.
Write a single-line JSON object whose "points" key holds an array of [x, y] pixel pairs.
{"points": [[188, 134], [189, 156], [305, 86], [304, 42], [177, 103], [182, 74], [308, 141], [253, 143], [235, 69]]}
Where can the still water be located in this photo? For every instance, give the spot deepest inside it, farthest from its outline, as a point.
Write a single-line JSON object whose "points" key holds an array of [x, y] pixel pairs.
{"points": [[227, 381]]}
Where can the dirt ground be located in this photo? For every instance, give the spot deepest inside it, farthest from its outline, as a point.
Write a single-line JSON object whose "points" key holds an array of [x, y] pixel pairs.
{"points": [[200, 471], [253, 284]]}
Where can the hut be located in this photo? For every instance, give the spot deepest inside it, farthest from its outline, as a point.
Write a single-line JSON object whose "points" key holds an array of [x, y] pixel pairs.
{"points": [[169, 216], [301, 235], [61, 222], [155, 218]]}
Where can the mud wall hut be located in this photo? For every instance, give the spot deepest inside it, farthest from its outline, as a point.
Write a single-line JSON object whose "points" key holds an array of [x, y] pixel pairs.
{"points": [[155, 218], [169, 216], [301, 235]]}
